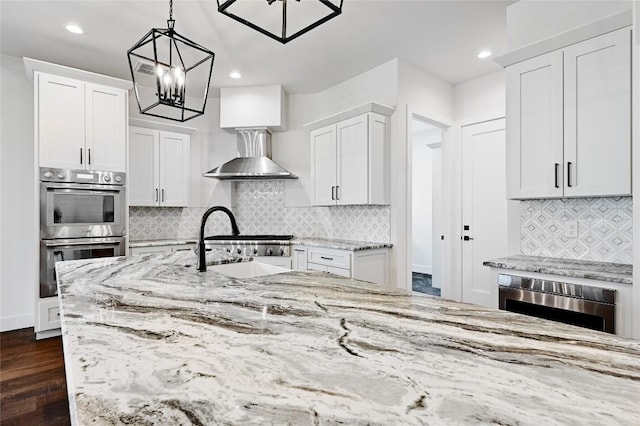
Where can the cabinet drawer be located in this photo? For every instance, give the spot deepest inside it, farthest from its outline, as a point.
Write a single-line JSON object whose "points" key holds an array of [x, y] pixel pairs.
{"points": [[328, 257], [329, 269], [48, 314]]}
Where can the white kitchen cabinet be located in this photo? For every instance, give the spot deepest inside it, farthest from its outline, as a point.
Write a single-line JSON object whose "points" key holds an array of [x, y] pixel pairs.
{"points": [[158, 168], [299, 258], [48, 315], [568, 127], [367, 265], [80, 125], [349, 161]]}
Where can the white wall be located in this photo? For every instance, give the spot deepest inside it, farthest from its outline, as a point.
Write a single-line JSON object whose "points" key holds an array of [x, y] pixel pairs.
{"points": [[636, 172], [529, 21], [479, 99], [19, 260]]}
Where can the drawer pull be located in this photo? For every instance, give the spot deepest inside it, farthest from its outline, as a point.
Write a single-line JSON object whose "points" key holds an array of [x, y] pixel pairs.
{"points": [[326, 258], [299, 250], [58, 314]]}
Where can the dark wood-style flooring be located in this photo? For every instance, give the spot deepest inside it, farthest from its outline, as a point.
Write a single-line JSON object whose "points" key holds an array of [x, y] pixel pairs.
{"points": [[33, 388]]}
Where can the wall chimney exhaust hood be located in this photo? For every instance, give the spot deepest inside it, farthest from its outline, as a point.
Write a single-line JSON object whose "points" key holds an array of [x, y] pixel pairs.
{"points": [[254, 159]]}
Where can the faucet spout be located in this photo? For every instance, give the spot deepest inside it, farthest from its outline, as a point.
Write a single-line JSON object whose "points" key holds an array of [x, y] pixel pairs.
{"points": [[202, 263]]}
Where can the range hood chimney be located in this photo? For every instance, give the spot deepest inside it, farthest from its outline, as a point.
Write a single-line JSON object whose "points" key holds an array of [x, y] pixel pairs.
{"points": [[254, 159]]}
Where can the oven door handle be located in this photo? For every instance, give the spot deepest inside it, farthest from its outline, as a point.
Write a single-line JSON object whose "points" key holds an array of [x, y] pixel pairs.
{"points": [[92, 187], [67, 243]]}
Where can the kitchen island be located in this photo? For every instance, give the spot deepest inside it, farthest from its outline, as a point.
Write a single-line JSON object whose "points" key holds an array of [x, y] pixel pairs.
{"points": [[149, 340]]}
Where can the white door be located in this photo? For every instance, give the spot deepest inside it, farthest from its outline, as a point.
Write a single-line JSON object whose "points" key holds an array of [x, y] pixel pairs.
{"points": [[353, 161], [106, 128], [534, 102], [597, 102], [323, 166], [174, 169], [61, 122], [484, 208], [144, 177]]}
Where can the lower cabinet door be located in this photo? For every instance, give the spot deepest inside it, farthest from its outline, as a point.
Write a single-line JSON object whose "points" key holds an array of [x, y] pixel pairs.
{"points": [[316, 267]]}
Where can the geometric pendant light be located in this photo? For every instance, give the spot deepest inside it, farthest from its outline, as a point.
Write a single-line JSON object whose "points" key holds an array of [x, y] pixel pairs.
{"points": [[171, 74], [281, 20]]}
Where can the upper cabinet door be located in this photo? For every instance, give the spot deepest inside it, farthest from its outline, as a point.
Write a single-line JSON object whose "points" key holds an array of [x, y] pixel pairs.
{"points": [[323, 166], [597, 131], [106, 128], [353, 161], [534, 128], [60, 122], [143, 179], [174, 162]]}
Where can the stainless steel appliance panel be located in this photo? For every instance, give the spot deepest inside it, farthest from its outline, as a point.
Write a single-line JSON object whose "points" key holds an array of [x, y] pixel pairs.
{"points": [[52, 251], [72, 210], [584, 306]]}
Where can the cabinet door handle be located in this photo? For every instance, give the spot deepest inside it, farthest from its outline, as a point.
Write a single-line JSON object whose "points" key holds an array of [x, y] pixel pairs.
{"points": [[569, 174], [162, 191], [80, 155], [89, 155], [338, 192], [333, 193], [467, 238], [326, 258], [156, 195], [556, 174]]}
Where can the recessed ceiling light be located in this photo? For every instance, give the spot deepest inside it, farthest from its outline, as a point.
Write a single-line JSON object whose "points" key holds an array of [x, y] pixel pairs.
{"points": [[235, 74], [484, 54], [73, 28]]}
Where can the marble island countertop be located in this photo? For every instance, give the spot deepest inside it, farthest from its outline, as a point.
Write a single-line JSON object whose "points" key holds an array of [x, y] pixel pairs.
{"points": [[602, 271], [308, 241], [148, 340]]}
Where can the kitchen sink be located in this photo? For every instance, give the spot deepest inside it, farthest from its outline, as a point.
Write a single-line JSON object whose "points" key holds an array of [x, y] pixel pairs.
{"points": [[248, 269]]}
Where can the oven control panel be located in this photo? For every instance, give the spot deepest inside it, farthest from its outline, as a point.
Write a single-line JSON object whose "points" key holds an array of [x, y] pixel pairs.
{"points": [[48, 174]]}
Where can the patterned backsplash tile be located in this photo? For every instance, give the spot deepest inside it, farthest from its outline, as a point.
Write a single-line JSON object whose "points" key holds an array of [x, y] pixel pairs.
{"points": [[260, 208], [605, 228]]}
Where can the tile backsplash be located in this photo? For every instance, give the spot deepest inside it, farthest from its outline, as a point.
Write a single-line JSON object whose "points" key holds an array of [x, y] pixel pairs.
{"points": [[260, 208], [605, 228]]}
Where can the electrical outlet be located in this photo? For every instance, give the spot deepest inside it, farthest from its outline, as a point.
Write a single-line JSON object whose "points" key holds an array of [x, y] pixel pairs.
{"points": [[571, 229]]}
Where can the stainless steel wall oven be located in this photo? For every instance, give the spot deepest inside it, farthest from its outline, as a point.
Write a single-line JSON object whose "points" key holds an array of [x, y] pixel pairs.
{"points": [[581, 305], [82, 216]]}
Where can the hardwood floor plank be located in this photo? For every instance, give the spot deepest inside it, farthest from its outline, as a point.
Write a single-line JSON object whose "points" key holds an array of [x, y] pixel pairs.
{"points": [[33, 388]]}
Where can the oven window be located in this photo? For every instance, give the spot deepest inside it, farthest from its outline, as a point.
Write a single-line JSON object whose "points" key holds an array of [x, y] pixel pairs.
{"points": [[568, 317], [83, 208]]}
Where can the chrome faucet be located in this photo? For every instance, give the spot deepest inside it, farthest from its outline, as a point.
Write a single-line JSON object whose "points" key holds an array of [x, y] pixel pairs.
{"points": [[202, 261]]}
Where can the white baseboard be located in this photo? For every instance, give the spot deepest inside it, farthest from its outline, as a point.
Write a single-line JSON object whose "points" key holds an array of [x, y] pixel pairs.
{"points": [[423, 269], [16, 322]]}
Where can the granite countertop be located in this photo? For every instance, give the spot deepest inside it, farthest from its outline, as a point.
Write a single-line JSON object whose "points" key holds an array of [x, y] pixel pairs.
{"points": [[340, 244], [148, 340], [155, 243], [602, 271]]}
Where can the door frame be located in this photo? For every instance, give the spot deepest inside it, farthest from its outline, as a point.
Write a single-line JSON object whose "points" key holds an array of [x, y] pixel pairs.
{"points": [[408, 261]]}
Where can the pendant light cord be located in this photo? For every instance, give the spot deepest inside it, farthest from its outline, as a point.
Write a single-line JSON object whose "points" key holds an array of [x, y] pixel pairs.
{"points": [[171, 10]]}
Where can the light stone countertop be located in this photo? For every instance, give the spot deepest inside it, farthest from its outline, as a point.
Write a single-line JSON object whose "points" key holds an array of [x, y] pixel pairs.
{"points": [[156, 243], [149, 340], [601, 271], [340, 244]]}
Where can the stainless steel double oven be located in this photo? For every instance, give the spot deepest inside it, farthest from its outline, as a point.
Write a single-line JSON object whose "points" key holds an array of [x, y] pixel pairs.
{"points": [[82, 216]]}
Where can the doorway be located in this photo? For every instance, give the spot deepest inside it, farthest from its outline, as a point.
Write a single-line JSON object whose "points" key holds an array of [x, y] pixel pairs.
{"points": [[426, 206]]}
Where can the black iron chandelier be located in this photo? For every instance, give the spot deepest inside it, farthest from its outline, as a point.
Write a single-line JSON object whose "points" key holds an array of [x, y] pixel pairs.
{"points": [[283, 23], [171, 74]]}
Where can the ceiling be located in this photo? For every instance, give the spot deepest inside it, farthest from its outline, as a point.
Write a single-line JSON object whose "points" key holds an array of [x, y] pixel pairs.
{"points": [[441, 37]]}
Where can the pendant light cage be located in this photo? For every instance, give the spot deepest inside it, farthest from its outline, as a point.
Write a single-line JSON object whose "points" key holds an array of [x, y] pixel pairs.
{"points": [[171, 74], [281, 20]]}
